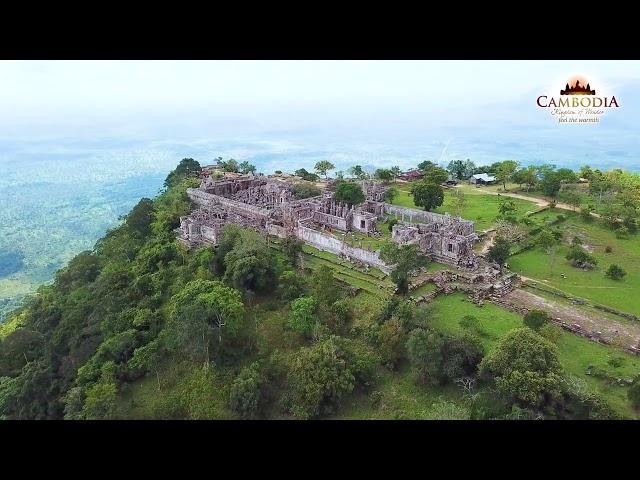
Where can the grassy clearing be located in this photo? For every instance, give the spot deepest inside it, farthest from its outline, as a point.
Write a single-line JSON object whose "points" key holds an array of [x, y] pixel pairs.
{"points": [[396, 396], [589, 284], [139, 400], [354, 277], [576, 353], [479, 207]]}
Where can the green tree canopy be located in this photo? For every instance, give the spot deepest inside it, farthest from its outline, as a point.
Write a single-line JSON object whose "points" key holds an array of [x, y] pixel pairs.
{"points": [[536, 319], [250, 265], [230, 165], [461, 168], [303, 317], [433, 173], [187, 167], [505, 171], [424, 350], [246, 393], [358, 172], [245, 167], [323, 167], [349, 192], [427, 194], [291, 285], [499, 251], [406, 260], [525, 367], [320, 376], [384, 174], [200, 310]]}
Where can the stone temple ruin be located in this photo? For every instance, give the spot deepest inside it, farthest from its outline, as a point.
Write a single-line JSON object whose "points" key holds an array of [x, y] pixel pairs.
{"points": [[268, 205], [446, 239]]}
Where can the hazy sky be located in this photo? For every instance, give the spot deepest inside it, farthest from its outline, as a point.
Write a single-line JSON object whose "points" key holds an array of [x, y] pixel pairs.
{"points": [[51, 98]]}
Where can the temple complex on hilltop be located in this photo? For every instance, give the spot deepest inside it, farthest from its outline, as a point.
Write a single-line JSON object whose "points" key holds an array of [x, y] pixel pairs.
{"points": [[267, 204]]}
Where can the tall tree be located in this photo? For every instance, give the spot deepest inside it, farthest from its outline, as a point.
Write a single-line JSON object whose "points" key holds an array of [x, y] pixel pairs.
{"points": [[550, 243], [433, 173], [525, 367], [292, 247], [245, 167], [459, 201], [250, 264], [390, 194], [349, 192], [505, 171], [384, 174], [458, 168], [499, 252], [200, 309], [358, 172], [230, 165], [425, 356], [323, 167], [427, 194], [406, 260], [303, 317]]}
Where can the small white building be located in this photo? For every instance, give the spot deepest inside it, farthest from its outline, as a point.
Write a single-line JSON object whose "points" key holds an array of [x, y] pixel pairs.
{"points": [[482, 179]]}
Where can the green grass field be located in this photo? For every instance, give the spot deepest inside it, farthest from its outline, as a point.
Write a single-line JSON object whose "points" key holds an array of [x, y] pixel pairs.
{"points": [[576, 353], [479, 207], [589, 284]]}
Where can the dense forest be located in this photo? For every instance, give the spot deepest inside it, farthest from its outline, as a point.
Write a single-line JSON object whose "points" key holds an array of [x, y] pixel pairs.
{"points": [[140, 327]]}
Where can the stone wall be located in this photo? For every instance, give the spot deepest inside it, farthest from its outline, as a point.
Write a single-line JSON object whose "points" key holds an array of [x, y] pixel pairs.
{"points": [[204, 199], [331, 244], [411, 215]]}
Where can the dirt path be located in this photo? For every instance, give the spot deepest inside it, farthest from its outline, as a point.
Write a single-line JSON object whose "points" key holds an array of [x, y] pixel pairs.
{"points": [[540, 202], [625, 334]]}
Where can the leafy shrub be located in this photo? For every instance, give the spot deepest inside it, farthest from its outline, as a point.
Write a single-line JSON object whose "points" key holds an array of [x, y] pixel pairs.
{"points": [[615, 272], [608, 249], [425, 356], [536, 319], [245, 394], [391, 342], [340, 315], [525, 367], [580, 258], [305, 190], [303, 317], [321, 376]]}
